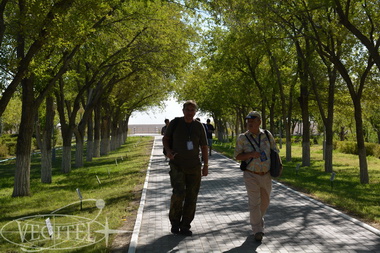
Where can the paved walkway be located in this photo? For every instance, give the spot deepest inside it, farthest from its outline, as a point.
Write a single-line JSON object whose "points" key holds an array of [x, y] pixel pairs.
{"points": [[294, 222]]}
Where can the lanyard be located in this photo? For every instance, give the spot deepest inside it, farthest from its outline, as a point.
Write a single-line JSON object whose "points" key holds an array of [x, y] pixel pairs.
{"points": [[251, 143], [189, 128], [257, 143]]}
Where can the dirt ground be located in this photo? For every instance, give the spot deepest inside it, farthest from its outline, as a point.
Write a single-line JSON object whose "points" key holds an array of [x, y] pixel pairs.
{"points": [[121, 241]]}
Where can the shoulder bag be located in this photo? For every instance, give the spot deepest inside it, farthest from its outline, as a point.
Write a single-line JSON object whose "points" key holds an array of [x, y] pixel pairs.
{"points": [[275, 161]]}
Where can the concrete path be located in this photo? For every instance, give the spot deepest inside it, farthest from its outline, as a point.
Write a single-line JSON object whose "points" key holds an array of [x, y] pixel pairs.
{"points": [[294, 222]]}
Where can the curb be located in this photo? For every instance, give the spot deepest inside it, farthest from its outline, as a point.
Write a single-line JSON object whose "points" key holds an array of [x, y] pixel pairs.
{"points": [[136, 229]]}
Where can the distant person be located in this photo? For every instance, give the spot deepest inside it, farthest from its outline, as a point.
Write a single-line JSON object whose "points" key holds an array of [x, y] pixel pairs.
{"points": [[209, 131], [163, 130], [253, 146], [205, 127], [183, 138]]}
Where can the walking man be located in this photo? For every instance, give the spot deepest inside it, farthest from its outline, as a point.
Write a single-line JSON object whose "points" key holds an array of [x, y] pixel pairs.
{"points": [[183, 138], [253, 146]]}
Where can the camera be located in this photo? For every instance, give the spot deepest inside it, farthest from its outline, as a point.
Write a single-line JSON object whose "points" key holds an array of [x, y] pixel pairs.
{"points": [[243, 165]]}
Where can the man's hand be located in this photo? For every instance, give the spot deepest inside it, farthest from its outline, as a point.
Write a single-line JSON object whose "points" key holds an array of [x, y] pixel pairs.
{"points": [[254, 154], [171, 155], [205, 170]]}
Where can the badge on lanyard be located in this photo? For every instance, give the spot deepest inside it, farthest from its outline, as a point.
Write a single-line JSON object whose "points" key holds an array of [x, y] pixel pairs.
{"points": [[263, 156], [190, 145]]}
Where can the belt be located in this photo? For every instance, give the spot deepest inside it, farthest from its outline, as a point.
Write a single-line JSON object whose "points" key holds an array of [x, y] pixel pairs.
{"points": [[258, 173]]}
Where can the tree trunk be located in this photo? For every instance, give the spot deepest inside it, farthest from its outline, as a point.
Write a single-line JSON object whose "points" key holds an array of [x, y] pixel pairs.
{"points": [[105, 136], [46, 166], [119, 137], [288, 137], [237, 124], [302, 63], [364, 178], [328, 122], [242, 121], [46, 147], [263, 115], [90, 139], [66, 151], [124, 131], [114, 130], [79, 150], [24, 141], [304, 103], [286, 114], [219, 127], [120, 134], [328, 152], [271, 106], [97, 129], [80, 132]]}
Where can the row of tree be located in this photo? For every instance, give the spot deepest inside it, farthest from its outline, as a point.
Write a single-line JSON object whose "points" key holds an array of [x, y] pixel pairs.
{"points": [[89, 63], [308, 59], [94, 62]]}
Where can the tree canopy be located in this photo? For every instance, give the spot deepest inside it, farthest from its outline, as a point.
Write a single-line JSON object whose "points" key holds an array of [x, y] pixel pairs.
{"points": [[108, 57], [295, 61], [86, 65]]}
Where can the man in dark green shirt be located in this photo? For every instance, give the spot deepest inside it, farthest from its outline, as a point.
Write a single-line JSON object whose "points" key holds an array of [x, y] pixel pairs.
{"points": [[183, 138]]}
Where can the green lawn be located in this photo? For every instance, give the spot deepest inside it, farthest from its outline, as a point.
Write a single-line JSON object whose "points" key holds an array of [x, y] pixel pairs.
{"points": [[346, 193], [117, 179]]}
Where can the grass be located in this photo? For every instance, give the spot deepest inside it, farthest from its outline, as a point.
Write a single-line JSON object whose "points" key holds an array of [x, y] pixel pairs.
{"points": [[345, 193], [121, 175]]}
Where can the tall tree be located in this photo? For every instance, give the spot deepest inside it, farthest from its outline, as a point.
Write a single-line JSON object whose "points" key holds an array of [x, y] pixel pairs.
{"points": [[54, 17], [357, 61]]}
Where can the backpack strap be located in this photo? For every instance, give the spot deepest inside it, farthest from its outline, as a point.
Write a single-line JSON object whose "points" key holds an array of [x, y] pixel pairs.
{"points": [[270, 143], [175, 123], [252, 147], [250, 142]]}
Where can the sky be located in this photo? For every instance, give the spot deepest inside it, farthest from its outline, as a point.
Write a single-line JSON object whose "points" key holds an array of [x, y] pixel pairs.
{"points": [[155, 115]]}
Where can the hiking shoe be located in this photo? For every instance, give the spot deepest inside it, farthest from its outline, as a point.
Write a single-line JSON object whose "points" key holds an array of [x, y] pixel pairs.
{"points": [[259, 236], [186, 232], [175, 230]]}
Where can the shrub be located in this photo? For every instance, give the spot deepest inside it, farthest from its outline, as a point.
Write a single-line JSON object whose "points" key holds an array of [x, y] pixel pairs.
{"points": [[371, 149], [351, 147], [12, 148], [347, 147], [10, 143], [3, 151]]}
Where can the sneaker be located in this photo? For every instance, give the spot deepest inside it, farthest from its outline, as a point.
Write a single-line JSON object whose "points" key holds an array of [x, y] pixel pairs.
{"points": [[186, 232], [259, 236], [175, 230]]}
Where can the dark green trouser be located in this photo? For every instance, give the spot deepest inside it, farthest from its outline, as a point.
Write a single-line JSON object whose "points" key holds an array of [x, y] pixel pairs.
{"points": [[184, 198]]}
